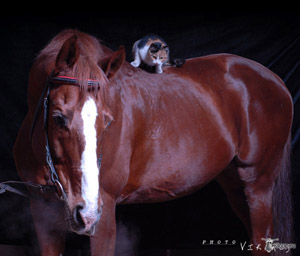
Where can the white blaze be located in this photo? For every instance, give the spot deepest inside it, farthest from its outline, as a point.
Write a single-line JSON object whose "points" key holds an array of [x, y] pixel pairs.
{"points": [[89, 167]]}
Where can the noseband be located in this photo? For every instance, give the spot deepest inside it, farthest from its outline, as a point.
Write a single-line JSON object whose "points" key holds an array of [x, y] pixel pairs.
{"points": [[44, 101]]}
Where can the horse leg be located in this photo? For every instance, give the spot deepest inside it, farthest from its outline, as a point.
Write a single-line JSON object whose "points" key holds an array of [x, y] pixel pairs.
{"points": [[104, 240], [231, 184], [49, 225], [259, 197]]}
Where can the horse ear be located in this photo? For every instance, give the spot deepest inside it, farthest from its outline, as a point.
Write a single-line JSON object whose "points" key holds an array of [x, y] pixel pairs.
{"points": [[68, 54], [111, 64]]}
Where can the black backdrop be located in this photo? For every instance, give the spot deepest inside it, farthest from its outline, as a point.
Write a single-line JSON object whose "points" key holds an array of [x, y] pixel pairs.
{"points": [[270, 38]]}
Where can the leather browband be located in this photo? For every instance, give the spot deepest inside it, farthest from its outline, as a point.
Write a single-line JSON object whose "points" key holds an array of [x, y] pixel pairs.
{"points": [[72, 80]]}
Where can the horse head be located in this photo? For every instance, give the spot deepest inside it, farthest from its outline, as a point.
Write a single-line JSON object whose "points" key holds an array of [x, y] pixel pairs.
{"points": [[77, 118]]}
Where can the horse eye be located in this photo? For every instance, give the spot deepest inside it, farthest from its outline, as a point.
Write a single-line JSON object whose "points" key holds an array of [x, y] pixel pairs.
{"points": [[60, 120]]}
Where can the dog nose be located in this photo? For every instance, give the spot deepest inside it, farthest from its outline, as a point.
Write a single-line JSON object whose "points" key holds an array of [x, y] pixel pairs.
{"points": [[85, 220]]}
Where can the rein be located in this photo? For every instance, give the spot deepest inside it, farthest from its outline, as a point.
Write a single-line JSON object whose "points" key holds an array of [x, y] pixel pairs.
{"points": [[44, 101]]}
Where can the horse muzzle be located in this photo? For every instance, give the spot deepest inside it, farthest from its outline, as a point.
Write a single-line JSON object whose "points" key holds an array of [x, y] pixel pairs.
{"points": [[84, 220]]}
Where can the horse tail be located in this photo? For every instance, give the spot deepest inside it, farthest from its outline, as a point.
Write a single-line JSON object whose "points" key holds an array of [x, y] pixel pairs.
{"points": [[282, 202]]}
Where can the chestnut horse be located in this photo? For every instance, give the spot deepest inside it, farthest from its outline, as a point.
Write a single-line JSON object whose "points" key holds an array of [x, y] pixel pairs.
{"points": [[106, 133]]}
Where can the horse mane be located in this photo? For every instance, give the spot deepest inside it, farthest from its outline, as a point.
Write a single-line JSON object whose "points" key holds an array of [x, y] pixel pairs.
{"points": [[86, 67]]}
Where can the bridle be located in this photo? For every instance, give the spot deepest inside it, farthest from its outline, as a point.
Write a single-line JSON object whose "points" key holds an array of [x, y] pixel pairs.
{"points": [[50, 81], [44, 101]]}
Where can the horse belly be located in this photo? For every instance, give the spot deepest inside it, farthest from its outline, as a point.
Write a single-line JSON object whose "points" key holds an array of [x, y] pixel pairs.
{"points": [[164, 190], [176, 177]]}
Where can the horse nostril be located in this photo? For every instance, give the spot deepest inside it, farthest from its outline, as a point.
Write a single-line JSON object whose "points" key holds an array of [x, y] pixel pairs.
{"points": [[77, 216], [83, 219]]}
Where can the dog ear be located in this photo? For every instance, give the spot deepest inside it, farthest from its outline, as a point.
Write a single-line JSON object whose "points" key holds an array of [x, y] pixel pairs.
{"points": [[112, 64]]}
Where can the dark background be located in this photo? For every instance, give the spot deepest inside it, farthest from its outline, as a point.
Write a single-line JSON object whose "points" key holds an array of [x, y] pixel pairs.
{"points": [[271, 38]]}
